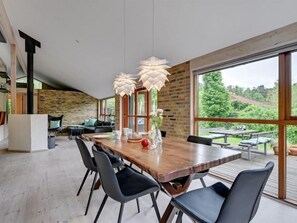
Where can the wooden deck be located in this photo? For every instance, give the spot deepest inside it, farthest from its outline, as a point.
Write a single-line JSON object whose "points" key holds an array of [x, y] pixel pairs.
{"points": [[231, 169]]}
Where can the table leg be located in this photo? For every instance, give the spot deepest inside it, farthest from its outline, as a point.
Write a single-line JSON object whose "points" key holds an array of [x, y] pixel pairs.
{"points": [[174, 189], [168, 214], [225, 139], [97, 185]]}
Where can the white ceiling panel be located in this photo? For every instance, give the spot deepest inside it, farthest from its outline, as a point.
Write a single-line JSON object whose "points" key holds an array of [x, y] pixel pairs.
{"points": [[82, 41]]}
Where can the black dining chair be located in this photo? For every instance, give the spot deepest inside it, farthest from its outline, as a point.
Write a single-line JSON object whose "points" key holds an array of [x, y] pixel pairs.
{"points": [[198, 175], [90, 164], [123, 186], [219, 204], [205, 141]]}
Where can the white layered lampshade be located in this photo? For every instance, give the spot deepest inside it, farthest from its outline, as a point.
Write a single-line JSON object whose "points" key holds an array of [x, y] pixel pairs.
{"points": [[124, 84], [153, 73]]}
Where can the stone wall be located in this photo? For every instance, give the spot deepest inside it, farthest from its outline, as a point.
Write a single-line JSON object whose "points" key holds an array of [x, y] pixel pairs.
{"points": [[174, 99], [74, 105]]}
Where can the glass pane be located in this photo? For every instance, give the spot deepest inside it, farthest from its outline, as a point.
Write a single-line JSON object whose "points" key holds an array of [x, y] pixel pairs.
{"points": [[103, 112], [294, 85], [141, 124], [141, 102], [131, 124], [245, 91], [37, 83], [244, 137], [110, 104], [154, 100], [291, 162], [131, 105]]}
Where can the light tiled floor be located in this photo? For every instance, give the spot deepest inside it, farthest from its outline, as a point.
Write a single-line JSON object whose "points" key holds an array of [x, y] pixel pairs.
{"points": [[42, 187]]}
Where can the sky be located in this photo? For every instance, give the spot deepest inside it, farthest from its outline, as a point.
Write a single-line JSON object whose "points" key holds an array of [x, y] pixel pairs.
{"points": [[264, 72]]}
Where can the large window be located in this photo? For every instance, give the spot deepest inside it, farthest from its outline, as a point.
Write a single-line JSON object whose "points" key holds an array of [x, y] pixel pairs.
{"points": [[107, 109], [244, 91], [294, 84], [259, 97]]}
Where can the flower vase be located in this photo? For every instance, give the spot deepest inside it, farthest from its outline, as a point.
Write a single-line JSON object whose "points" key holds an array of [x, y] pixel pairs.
{"points": [[155, 138]]}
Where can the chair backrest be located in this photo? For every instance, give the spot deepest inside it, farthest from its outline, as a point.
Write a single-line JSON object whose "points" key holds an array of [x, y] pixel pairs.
{"points": [[85, 154], [200, 140], [103, 129], [243, 200], [52, 118], [107, 176]]}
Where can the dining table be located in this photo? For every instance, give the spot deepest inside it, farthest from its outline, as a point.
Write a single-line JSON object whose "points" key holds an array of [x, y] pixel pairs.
{"points": [[175, 159]]}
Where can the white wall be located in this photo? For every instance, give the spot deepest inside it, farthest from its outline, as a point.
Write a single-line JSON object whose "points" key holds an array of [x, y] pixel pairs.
{"points": [[3, 132], [27, 132]]}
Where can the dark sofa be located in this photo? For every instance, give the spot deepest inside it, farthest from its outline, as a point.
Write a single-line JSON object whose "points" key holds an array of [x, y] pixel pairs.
{"points": [[99, 126]]}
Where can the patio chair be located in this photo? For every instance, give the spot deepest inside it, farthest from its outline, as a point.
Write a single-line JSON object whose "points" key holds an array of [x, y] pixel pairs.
{"points": [[123, 186], [219, 204], [90, 164]]}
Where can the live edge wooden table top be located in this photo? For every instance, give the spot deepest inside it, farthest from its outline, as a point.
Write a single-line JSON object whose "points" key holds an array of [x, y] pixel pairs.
{"points": [[175, 159]]}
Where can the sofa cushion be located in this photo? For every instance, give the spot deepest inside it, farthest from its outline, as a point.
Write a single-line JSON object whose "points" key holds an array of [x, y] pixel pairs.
{"points": [[54, 124], [90, 121]]}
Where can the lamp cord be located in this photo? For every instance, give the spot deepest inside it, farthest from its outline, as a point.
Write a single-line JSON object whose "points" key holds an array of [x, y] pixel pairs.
{"points": [[153, 29], [125, 36]]}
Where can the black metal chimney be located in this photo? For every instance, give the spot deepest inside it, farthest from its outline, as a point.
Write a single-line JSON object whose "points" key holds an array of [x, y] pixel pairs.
{"points": [[30, 44]]}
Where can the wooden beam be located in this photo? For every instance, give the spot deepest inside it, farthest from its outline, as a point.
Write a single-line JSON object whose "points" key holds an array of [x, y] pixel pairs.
{"points": [[13, 78], [282, 161], [10, 37]]}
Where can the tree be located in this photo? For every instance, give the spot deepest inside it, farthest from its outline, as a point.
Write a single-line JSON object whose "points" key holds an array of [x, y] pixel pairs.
{"points": [[215, 98]]}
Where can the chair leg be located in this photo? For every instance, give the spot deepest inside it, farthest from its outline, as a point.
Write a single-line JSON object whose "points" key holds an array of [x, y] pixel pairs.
{"points": [[137, 202], [101, 208], [82, 183], [157, 194], [203, 183], [155, 206], [121, 213], [179, 217], [91, 192]]}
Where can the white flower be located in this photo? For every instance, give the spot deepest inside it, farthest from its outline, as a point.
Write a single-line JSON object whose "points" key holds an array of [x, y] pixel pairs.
{"points": [[159, 110], [153, 114]]}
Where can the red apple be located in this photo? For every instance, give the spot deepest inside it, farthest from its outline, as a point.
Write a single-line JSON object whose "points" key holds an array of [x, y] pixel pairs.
{"points": [[145, 143]]}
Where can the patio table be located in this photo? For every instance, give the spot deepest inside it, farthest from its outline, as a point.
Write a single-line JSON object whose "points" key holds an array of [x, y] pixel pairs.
{"points": [[230, 132]]}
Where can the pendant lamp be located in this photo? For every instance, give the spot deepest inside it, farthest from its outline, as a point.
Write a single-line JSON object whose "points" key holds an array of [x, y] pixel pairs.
{"points": [[153, 73], [124, 84]]}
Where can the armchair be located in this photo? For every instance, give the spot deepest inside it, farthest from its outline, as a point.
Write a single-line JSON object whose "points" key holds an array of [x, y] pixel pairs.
{"points": [[54, 124]]}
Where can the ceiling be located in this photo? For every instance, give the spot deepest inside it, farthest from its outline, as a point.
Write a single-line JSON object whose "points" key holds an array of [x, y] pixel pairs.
{"points": [[83, 44]]}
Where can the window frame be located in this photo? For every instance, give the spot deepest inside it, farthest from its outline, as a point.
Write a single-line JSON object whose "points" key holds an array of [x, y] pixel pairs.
{"points": [[135, 116], [285, 117], [104, 116]]}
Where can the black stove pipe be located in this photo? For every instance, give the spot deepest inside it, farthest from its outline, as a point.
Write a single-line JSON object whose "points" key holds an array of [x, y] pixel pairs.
{"points": [[30, 44]]}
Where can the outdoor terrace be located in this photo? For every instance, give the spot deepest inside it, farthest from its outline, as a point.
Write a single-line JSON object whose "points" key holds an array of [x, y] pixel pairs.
{"points": [[231, 169]]}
